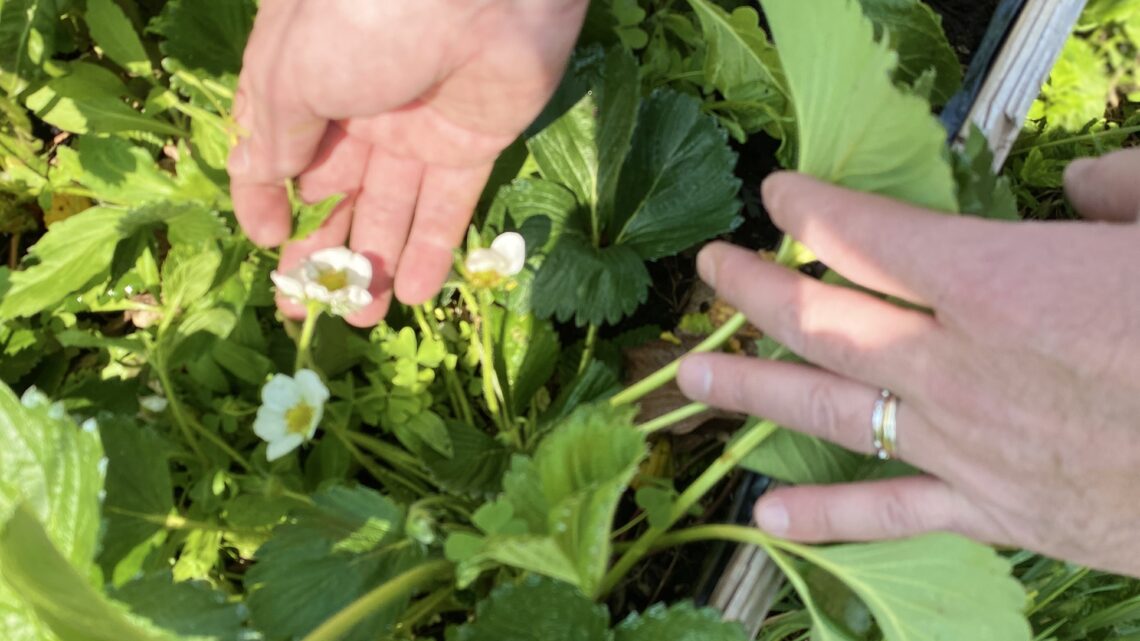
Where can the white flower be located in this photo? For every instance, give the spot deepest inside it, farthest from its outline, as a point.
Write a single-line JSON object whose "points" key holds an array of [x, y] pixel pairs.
{"points": [[336, 277], [291, 408], [154, 404], [504, 258]]}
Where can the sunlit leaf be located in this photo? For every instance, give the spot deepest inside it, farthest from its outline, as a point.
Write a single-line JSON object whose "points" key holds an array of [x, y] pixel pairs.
{"points": [[116, 36]]}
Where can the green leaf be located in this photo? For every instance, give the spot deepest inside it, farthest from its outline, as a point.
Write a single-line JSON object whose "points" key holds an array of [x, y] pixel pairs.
{"points": [[915, 32], [981, 192], [677, 186], [90, 99], [566, 154], [60, 596], [566, 495], [798, 458], [530, 351], [310, 217], [855, 128], [536, 609], [680, 622], [68, 258], [478, 468], [112, 30], [742, 65], [193, 609], [938, 586], [187, 274], [348, 542], [1078, 87], [114, 170], [28, 34], [589, 285], [205, 34], [138, 486]]}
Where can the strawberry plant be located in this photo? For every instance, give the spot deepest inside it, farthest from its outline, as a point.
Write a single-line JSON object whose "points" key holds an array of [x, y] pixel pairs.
{"points": [[180, 462]]}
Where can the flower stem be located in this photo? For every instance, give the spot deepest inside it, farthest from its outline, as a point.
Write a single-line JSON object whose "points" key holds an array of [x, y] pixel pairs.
{"points": [[383, 595], [459, 401], [588, 350], [395, 456], [305, 342], [669, 372], [672, 418], [386, 478], [748, 440], [492, 390]]}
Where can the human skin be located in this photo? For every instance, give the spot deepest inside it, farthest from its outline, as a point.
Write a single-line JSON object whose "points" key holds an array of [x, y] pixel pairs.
{"points": [[1020, 388], [401, 106]]}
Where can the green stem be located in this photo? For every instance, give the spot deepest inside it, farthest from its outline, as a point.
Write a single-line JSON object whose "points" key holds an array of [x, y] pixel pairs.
{"points": [[1119, 131], [458, 398], [491, 387], [422, 609], [386, 478], [176, 409], [588, 350], [672, 418], [305, 342], [395, 456], [383, 595], [669, 372], [177, 522], [749, 440]]}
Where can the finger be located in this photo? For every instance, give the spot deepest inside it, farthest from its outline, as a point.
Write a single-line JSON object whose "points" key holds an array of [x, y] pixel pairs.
{"points": [[848, 332], [447, 200], [882, 244], [338, 169], [1106, 188], [283, 132], [872, 511], [380, 225], [808, 400]]}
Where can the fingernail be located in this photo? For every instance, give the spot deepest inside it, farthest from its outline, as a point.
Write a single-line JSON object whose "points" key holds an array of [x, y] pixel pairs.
{"points": [[772, 517], [695, 378], [1078, 169], [239, 159], [706, 265]]}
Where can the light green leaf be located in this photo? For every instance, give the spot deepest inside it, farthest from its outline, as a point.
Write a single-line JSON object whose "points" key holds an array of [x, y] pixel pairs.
{"points": [[798, 458], [60, 596], [309, 217], [90, 99], [566, 495], [589, 285], [187, 274], [566, 154], [938, 586], [112, 30], [680, 622], [28, 34], [190, 608], [205, 34], [677, 186], [1078, 87], [981, 192], [68, 258], [854, 128], [536, 609], [348, 542], [114, 170], [742, 65], [915, 32], [138, 486], [530, 351], [200, 554]]}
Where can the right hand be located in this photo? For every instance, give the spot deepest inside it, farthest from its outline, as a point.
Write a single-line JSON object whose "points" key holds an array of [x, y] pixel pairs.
{"points": [[401, 105]]}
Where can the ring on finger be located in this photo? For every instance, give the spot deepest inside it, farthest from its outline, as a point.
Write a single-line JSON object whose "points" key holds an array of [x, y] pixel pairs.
{"points": [[884, 425]]}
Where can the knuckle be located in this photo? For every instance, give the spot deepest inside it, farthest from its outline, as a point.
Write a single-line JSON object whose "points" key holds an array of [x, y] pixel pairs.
{"points": [[822, 414], [897, 516]]}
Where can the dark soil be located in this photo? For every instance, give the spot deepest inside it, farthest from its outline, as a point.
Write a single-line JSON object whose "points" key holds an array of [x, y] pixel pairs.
{"points": [[965, 22]]}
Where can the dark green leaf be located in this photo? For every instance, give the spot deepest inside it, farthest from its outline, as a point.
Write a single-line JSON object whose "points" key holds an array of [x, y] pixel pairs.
{"points": [[536, 609], [680, 622], [477, 468], [530, 350], [915, 32], [981, 192], [677, 186], [205, 34], [350, 541], [193, 609], [799, 458], [589, 285], [28, 35], [566, 153]]}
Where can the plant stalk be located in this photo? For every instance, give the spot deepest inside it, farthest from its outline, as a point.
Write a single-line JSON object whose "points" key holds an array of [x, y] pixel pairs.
{"points": [[588, 349], [383, 595], [305, 342], [672, 418], [739, 448]]}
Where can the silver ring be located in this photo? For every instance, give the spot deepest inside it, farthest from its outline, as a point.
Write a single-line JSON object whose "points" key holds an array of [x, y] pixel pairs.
{"points": [[884, 425]]}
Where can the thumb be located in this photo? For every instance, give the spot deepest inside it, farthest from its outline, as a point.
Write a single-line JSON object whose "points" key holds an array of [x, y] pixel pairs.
{"points": [[1106, 188]]}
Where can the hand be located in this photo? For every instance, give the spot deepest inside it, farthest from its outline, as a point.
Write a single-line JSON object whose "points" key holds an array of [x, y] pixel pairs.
{"points": [[402, 106], [1020, 392]]}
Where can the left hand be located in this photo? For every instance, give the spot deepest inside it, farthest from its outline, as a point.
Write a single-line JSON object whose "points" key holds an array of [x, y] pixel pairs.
{"points": [[1020, 392]]}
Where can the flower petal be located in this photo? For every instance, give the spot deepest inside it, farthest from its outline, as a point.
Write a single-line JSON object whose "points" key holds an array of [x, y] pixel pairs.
{"points": [[270, 424], [281, 392], [338, 259], [283, 446], [288, 285], [318, 412], [311, 388], [512, 247], [485, 260]]}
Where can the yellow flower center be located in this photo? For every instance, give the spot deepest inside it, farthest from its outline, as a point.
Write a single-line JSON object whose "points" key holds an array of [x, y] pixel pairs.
{"points": [[298, 418], [333, 279]]}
